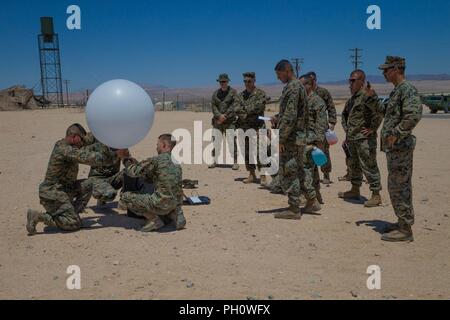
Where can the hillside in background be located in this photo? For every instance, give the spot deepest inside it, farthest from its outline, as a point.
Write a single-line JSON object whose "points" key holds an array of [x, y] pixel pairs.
{"points": [[414, 77], [339, 89]]}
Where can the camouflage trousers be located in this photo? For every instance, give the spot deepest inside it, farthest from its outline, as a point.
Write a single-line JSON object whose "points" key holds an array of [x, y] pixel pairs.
{"points": [[310, 182], [105, 188], [347, 164], [64, 203], [400, 169], [230, 141], [325, 147], [143, 203], [275, 184], [363, 160], [246, 146], [290, 172]]}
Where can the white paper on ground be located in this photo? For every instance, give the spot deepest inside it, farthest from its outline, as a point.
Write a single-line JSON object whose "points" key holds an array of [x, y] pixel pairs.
{"points": [[195, 200]]}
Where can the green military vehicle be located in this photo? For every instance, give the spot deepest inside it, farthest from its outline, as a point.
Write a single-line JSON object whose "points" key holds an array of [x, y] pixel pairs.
{"points": [[436, 102]]}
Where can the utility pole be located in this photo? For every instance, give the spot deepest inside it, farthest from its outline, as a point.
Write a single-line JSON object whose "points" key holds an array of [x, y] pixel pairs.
{"points": [[297, 62], [66, 82], [356, 58]]}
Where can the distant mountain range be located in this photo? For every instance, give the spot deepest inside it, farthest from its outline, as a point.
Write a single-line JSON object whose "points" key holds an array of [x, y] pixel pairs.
{"points": [[339, 89], [414, 77], [425, 83], [380, 79]]}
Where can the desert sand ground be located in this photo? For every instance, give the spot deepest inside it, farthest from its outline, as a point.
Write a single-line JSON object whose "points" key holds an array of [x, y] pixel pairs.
{"points": [[229, 249]]}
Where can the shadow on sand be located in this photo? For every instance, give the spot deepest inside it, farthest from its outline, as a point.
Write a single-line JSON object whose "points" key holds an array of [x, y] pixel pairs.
{"points": [[109, 217], [376, 225], [278, 210]]}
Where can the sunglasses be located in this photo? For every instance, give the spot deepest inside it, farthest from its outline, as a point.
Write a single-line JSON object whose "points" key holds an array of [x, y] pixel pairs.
{"points": [[353, 80], [248, 81], [223, 81]]}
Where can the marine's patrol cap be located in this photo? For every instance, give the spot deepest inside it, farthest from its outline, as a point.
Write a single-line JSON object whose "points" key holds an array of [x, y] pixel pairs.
{"points": [[393, 62], [223, 77], [251, 75]]}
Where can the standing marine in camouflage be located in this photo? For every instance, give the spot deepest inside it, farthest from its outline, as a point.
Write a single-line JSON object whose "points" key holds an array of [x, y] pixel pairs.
{"points": [[106, 180], [316, 126], [360, 120], [253, 104], [291, 124], [332, 120], [225, 102], [61, 194], [164, 205], [401, 115]]}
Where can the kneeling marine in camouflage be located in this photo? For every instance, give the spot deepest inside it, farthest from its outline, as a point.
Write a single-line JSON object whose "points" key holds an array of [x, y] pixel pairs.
{"points": [[166, 176], [61, 194]]}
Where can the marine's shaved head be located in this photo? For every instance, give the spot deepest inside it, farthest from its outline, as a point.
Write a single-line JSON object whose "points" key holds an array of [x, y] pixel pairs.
{"points": [[360, 74], [168, 139], [76, 129], [284, 65]]}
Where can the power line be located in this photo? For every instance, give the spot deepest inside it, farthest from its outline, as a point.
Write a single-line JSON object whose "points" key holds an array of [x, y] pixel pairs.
{"points": [[297, 63], [356, 58]]}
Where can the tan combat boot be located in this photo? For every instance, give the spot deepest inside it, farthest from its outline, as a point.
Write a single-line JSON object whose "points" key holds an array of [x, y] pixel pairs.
{"points": [[312, 206], [235, 166], [302, 200], [353, 194], [293, 213], [402, 234], [251, 178], [263, 181], [374, 201], [212, 165], [326, 179], [154, 223], [178, 218], [33, 218]]}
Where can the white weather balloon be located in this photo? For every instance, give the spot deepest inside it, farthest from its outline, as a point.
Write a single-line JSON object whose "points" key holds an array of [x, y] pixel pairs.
{"points": [[120, 113]]}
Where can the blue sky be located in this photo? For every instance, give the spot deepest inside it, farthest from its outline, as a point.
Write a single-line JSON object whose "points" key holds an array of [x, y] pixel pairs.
{"points": [[188, 43]]}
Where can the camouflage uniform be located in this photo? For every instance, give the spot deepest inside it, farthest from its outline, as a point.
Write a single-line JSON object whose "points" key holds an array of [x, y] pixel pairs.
{"points": [[252, 106], [225, 103], [317, 125], [166, 177], [106, 180], [332, 119], [291, 125], [362, 111], [401, 115], [61, 194]]}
